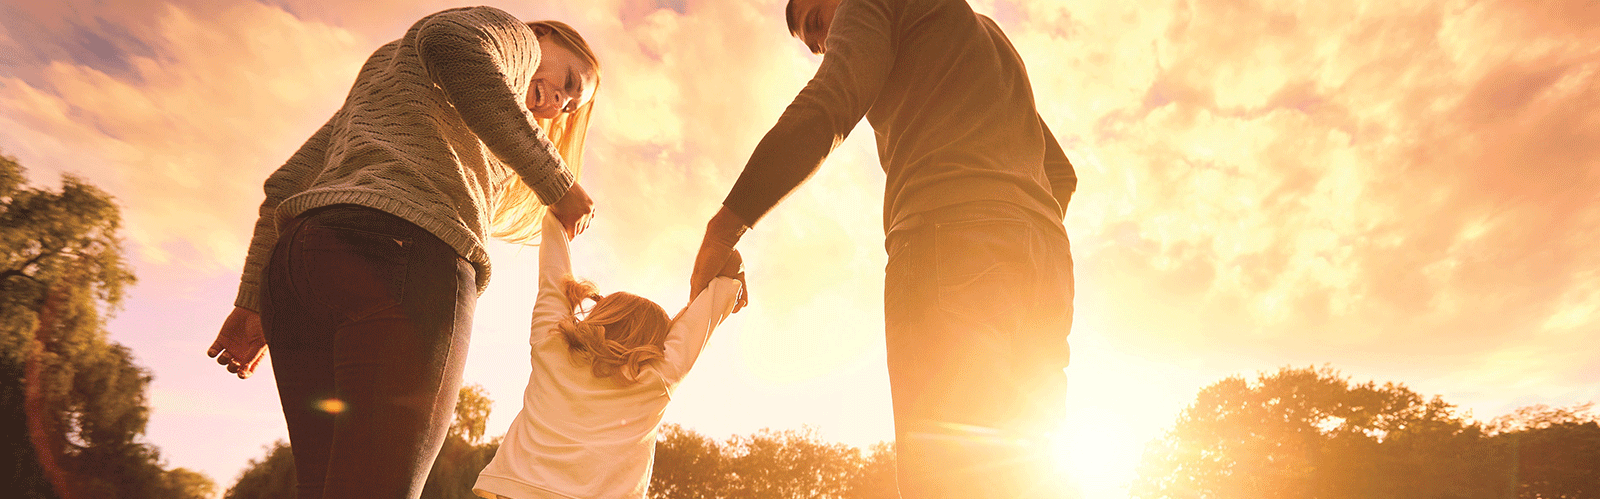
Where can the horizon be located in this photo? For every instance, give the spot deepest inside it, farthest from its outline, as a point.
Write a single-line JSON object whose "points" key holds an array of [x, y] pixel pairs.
{"points": [[1403, 193]]}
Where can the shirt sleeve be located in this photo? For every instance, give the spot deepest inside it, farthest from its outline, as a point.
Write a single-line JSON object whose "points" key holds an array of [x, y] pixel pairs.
{"points": [[483, 59], [550, 306], [692, 328], [1063, 179], [860, 52]]}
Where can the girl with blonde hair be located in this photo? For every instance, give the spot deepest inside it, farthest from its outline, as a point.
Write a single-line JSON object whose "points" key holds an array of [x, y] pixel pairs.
{"points": [[599, 383], [369, 251]]}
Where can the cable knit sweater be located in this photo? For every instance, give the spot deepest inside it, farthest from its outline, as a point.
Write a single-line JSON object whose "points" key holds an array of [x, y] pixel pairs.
{"points": [[433, 125]]}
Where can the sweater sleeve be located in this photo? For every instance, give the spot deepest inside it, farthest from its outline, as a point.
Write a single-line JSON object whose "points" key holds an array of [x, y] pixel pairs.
{"points": [[692, 328], [1063, 179], [483, 59], [860, 52], [550, 306], [295, 176]]}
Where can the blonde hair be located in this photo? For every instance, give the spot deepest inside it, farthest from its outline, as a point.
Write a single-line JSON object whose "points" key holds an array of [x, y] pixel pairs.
{"points": [[619, 336], [518, 211]]}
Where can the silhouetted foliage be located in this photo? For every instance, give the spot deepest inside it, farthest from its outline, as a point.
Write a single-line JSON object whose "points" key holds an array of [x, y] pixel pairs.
{"points": [[463, 455], [271, 477], [1557, 451], [76, 407], [767, 465], [1310, 433], [688, 465]]}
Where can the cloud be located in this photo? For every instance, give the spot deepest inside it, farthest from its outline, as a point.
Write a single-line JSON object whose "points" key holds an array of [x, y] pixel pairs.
{"points": [[184, 135], [1369, 177]]}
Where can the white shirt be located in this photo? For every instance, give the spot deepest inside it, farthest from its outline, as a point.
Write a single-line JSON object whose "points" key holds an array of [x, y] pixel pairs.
{"points": [[582, 437]]}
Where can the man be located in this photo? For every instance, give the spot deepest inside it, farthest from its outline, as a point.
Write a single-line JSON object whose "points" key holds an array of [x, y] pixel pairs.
{"points": [[978, 291]]}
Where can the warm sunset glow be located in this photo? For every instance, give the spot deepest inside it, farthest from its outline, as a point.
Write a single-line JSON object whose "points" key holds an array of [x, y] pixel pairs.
{"points": [[1402, 190]]}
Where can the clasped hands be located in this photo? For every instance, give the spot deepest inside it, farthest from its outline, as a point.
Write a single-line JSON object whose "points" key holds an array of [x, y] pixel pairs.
{"points": [[718, 258]]}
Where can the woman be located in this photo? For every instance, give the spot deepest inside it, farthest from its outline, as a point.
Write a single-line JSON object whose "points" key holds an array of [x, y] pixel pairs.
{"points": [[368, 255]]}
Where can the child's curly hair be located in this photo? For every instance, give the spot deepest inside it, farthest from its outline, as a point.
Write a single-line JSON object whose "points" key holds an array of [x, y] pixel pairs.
{"points": [[621, 333]]}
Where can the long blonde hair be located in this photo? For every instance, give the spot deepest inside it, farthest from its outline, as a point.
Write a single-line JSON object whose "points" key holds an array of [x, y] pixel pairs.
{"points": [[518, 211], [620, 335]]}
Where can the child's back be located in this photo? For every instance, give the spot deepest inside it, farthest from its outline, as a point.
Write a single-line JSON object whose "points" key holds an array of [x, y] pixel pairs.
{"points": [[583, 436]]}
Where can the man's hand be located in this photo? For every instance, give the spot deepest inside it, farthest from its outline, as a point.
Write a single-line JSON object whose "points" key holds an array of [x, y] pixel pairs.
{"points": [[240, 345], [722, 233], [574, 210], [735, 269]]}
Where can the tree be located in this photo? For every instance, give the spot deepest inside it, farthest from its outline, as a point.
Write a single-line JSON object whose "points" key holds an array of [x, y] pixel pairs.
{"points": [[768, 464], [687, 465], [76, 432], [463, 455], [1310, 433], [271, 477], [1557, 451]]}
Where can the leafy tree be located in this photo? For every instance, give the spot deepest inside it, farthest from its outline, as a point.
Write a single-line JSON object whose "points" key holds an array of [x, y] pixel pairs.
{"points": [[76, 432], [1310, 433], [1557, 451], [463, 455], [768, 464], [271, 477], [687, 465]]}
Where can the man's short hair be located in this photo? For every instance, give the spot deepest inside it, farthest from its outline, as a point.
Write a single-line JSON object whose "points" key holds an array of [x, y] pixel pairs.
{"points": [[788, 15]]}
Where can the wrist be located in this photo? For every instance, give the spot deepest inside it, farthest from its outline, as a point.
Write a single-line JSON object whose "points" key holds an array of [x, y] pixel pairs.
{"points": [[726, 227]]}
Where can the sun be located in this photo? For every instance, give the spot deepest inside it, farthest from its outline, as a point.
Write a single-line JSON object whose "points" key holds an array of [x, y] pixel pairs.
{"points": [[1096, 452]]}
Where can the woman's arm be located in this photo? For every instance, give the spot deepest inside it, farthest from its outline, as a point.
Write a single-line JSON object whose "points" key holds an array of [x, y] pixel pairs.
{"points": [[555, 265], [483, 59]]}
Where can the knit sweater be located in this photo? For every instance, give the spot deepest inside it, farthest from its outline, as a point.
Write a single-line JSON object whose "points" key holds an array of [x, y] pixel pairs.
{"points": [[581, 437], [948, 98], [433, 126]]}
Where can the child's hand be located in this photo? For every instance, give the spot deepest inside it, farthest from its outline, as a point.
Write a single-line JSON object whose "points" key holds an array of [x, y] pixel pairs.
{"points": [[734, 268]]}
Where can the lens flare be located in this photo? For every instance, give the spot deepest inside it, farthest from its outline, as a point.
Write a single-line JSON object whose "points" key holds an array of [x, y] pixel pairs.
{"points": [[330, 405]]}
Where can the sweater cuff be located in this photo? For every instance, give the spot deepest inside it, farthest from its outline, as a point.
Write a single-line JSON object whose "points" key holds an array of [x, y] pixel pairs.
{"points": [[554, 186], [249, 297]]}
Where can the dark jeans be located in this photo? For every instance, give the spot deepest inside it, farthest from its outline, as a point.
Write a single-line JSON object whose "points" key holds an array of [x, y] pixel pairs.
{"points": [[977, 308], [367, 317]]}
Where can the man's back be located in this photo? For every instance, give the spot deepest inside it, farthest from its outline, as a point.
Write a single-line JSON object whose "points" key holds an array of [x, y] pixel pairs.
{"points": [[948, 98], [955, 118]]}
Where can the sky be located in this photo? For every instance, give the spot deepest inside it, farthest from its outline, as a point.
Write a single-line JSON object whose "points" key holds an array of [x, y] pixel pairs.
{"points": [[1404, 191]]}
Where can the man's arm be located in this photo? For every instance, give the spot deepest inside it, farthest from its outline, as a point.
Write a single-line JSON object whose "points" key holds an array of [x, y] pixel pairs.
{"points": [[1063, 179], [859, 55], [860, 52]]}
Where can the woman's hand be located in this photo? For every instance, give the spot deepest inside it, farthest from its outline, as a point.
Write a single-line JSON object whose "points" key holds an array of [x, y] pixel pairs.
{"points": [[240, 345], [574, 210]]}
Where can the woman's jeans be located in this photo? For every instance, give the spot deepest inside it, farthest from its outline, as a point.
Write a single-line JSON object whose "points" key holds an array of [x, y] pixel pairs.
{"points": [[977, 308], [367, 317]]}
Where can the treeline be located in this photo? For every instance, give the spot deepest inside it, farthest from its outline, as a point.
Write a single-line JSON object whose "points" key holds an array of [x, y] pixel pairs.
{"points": [[1312, 433], [72, 402], [688, 465]]}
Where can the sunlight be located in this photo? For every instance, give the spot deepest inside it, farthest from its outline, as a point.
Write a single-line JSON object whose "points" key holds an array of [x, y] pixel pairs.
{"points": [[1097, 450]]}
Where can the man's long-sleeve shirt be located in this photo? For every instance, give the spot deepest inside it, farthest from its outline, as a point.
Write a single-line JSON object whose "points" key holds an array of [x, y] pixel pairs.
{"points": [[948, 99]]}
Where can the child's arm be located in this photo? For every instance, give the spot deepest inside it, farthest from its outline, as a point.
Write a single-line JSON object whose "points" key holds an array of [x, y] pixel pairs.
{"points": [[692, 328], [555, 264]]}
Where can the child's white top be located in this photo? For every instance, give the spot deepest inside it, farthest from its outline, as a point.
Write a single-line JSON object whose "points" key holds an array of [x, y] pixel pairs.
{"points": [[582, 437]]}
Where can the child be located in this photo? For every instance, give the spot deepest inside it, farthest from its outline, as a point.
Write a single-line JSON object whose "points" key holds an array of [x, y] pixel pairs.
{"points": [[599, 385]]}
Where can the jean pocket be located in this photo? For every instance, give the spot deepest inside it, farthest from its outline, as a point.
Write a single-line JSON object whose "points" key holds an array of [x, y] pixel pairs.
{"points": [[353, 272], [984, 270]]}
